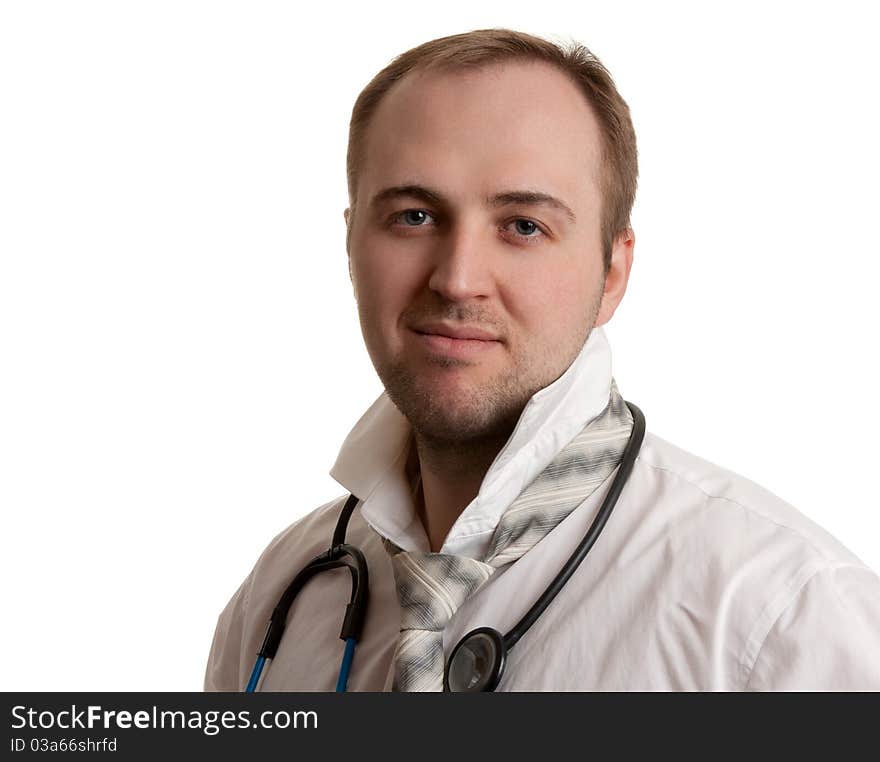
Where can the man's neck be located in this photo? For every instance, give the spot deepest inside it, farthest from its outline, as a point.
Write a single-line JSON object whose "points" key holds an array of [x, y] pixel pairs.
{"points": [[450, 480]]}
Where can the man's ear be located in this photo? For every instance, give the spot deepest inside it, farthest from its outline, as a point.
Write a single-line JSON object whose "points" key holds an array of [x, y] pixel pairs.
{"points": [[618, 275], [347, 215]]}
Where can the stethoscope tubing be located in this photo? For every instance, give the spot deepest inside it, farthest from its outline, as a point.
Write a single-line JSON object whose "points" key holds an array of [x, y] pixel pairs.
{"points": [[627, 461], [340, 555]]}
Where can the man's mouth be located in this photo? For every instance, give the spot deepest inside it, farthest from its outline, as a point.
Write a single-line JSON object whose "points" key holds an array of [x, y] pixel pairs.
{"points": [[458, 332], [453, 346]]}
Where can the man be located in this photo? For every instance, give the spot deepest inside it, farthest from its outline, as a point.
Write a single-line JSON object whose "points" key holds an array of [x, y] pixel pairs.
{"points": [[491, 178]]}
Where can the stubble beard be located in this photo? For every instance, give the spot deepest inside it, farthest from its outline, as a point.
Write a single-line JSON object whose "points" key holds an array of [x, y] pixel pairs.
{"points": [[461, 416], [476, 414], [479, 416]]}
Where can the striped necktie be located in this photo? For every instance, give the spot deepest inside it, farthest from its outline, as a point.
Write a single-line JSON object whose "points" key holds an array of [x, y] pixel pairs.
{"points": [[432, 586]]}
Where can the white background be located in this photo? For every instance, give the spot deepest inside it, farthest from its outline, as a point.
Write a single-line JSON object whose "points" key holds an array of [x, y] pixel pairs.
{"points": [[181, 356]]}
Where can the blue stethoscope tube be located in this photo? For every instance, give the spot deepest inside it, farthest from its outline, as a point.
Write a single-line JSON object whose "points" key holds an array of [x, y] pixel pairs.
{"points": [[339, 555], [477, 662]]}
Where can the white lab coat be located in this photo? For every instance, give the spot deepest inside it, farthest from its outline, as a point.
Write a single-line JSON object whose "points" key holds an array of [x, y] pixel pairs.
{"points": [[701, 580]]}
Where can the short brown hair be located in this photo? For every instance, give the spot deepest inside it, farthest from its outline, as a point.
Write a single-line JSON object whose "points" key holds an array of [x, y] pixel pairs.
{"points": [[619, 169]]}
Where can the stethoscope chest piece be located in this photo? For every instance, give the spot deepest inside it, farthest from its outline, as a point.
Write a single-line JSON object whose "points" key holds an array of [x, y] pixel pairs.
{"points": [[476, 663]]}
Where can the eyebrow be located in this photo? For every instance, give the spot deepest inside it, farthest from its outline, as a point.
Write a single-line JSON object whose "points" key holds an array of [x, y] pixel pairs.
{"points": [[506, 198]]}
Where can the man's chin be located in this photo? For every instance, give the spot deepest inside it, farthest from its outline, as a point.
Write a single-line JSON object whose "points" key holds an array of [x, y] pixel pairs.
{"points": [[446, 408], [461, 424]]}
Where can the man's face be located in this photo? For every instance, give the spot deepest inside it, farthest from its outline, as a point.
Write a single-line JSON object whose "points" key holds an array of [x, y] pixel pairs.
{"points": [[464, 247]]}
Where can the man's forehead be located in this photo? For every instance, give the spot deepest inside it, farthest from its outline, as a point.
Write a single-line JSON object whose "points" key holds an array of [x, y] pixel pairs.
{"points": [[508, 90], [501, 129]]}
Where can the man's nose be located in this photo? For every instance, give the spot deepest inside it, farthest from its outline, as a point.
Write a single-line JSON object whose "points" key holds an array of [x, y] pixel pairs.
{"points": [[462, 267]]}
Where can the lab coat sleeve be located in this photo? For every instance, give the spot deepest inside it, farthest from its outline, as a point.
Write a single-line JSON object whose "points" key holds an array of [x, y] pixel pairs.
{"points": [[222, 670], [827, 639]]}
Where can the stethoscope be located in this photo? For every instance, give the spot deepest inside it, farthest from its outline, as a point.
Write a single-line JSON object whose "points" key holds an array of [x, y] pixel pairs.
{"points": [[477, 662]]}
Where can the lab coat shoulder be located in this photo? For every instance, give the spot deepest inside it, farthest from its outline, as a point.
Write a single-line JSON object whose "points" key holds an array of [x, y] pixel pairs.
{"points": [[784, 604], [242, 622], [719, 494]]}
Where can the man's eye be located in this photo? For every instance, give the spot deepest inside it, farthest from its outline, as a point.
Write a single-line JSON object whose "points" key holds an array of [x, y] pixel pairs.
{"points": [[526, 228], [521, 227], [412, 217], [527, 231]]}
